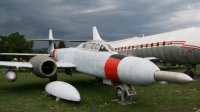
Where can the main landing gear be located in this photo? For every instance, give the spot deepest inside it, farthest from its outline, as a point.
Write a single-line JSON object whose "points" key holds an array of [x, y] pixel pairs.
{"points": [[124, 90], [121, 91], [53, 78], [99, 81], [189, 71]]}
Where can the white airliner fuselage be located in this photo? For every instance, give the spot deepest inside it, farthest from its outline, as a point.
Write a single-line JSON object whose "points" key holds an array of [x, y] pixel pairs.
{"points": [[177, 47]]}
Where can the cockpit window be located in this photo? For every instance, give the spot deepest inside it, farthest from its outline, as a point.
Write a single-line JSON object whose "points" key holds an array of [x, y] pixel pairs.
{"points": [[88, 45], [110, 47], [93, 46], [103, 48], [84, 45], [97, 47]]}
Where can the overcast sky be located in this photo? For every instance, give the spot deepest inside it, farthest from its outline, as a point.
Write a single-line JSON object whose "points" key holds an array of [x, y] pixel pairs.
{"points": [[114, 19]]}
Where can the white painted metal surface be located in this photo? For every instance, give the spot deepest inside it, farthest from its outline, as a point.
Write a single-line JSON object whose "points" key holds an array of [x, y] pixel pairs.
{"points": [[16, 64], [130, 67], [96, 35], [179, 47], [169, 77], [63, 90], [65, 64]]}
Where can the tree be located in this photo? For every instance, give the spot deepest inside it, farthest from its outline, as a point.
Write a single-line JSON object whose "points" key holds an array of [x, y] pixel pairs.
{"points": [[15, 43], [61, 44]]}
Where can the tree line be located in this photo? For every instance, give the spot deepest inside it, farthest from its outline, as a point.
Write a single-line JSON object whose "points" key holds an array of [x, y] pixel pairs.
{"points": [[17, 43]]}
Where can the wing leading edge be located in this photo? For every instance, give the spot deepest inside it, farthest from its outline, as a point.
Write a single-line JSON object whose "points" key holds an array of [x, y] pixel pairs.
{"points": [[16, 64], [29, 65], [23, 54]]}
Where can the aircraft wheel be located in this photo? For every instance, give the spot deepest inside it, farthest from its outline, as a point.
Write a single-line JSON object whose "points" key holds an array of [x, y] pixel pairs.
{"points": [[99, 80], [191, 74], [119, 93], [53, 78]]}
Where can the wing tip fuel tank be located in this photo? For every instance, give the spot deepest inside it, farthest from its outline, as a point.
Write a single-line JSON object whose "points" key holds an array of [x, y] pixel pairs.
{"points": [[63, 90], [172, 77]]}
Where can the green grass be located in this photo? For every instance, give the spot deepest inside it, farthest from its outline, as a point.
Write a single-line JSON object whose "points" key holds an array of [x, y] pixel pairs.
{"points": [[27, 95]]}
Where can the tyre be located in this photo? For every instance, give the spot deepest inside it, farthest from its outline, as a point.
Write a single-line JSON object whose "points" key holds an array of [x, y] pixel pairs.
{"points": [[119, 93], [53, 78]]}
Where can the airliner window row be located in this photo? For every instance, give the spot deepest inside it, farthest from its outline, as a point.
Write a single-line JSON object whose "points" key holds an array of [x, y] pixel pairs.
{"points": [[150, 45]]}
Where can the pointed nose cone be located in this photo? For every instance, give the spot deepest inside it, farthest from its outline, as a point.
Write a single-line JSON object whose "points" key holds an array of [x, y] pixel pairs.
{"points": [[76, 97], [172, 77]]}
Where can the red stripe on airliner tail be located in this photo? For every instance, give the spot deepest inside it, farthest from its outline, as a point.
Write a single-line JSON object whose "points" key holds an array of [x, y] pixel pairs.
{"points": [[111, 69], [191, 46], [176, 42]]}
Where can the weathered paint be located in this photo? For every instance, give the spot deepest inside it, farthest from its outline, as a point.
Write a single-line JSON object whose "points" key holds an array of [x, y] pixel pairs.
{"points": [[180, 47]]}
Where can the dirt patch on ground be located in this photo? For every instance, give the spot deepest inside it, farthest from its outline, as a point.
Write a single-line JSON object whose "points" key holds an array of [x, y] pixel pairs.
{"points": [[2, 91], [192, 90]]}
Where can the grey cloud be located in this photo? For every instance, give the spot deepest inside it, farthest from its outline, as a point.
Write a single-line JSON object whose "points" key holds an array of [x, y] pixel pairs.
{"points": [[115, 19]]}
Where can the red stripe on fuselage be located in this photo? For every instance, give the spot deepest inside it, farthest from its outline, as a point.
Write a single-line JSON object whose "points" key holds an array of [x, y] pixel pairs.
{"points": [[54, 53], [111, 69]]}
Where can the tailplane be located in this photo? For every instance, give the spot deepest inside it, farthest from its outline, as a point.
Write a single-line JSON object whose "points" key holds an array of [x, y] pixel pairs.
{"points": [[51, 41]]}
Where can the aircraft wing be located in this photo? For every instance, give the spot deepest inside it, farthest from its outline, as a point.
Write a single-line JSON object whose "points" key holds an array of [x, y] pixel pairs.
{"points": [[16, 64], [65, 64], [62, 64], [23, 54]]}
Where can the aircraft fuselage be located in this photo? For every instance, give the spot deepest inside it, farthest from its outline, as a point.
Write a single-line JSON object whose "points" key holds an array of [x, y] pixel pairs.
{"points": [[178, 47], [98, 59]]}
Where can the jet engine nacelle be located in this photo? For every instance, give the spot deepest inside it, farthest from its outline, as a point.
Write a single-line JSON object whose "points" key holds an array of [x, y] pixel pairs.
{"points": [[137, 71], [43, 66], [11, 76]]}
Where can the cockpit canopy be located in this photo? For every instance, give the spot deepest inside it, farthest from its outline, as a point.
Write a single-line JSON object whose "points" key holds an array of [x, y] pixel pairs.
{"points": [[98, 45]]}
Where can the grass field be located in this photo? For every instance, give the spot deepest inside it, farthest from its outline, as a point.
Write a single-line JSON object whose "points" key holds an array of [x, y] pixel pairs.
{"points": [[27, 95]]}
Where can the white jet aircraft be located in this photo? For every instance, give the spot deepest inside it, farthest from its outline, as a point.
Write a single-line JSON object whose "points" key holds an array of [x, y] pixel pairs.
{"points": [[97, 58], [177, 47]]}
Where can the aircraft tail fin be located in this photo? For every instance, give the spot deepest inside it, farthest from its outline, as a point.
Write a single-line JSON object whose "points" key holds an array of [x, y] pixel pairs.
{"points": [[50, 34], [96, 35], [51, 41]]}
